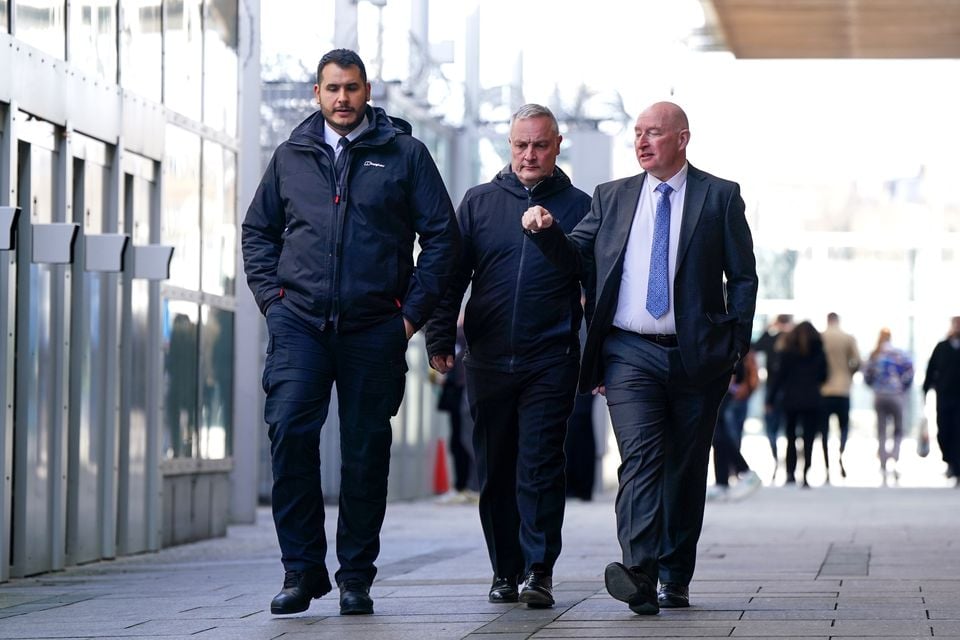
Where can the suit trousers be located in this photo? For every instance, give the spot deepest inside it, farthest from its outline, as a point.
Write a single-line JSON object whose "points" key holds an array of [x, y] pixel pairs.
{"points": [[520, 423], [664, 425], [369, 369]]}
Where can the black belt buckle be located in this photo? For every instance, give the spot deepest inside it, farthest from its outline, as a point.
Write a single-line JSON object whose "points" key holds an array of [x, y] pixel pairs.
{"points": [[662, 339]]}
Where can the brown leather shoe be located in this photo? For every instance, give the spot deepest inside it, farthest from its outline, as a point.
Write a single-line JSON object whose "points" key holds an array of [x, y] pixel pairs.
{"points": [[674, 596], [633, 587]]}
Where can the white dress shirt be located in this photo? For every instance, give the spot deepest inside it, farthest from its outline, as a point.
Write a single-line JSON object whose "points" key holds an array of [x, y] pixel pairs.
{"points": [[632, 314], [332, 138]]}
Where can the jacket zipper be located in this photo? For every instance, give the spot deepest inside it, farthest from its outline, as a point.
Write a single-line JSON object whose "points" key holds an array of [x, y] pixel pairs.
{"points": [[516, 291]]}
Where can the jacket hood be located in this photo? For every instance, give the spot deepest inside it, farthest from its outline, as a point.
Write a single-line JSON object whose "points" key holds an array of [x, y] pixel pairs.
{"points": [[507, 180], [381, 128]]}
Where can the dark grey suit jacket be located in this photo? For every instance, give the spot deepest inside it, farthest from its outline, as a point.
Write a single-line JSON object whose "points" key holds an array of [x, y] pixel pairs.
{"points": [[715, 287]]}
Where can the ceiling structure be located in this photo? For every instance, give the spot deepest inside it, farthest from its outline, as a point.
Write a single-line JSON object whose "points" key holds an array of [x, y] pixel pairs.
{"points": [[836, 28]]}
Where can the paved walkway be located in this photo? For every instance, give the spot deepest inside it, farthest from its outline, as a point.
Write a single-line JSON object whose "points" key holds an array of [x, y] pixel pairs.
{"points": [[785, 563]]}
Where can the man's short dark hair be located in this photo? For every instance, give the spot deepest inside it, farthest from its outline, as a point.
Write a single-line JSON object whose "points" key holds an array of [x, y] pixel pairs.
{"points": [[343, 58]]}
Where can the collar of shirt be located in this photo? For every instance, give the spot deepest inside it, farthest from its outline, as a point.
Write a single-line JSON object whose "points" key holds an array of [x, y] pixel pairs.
{"points": [[332, 138], [676, 182]]}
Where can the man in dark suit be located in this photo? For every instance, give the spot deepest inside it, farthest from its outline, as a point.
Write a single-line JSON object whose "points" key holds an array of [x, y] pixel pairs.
{"points": [[667, 260]]}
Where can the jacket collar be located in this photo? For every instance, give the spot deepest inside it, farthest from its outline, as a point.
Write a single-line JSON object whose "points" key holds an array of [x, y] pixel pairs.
{"points": [[507, 180]]}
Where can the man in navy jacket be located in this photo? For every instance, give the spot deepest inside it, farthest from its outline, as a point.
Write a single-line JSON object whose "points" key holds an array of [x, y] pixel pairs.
{"points": [[521, 325], [328, 253]]}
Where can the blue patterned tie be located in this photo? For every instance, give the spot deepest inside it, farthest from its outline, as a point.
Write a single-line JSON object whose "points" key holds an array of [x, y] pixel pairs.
{"points": [[658, 285]]}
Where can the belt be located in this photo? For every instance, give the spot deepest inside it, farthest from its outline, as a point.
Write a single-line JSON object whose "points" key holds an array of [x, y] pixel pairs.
{"points": [[662, 339]]}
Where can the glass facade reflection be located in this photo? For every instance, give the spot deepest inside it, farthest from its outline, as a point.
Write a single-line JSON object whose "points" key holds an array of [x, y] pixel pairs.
{"points": [[93, 37], [180, 224], [41, 24], [180, 378], [183, 56], [216, 371], [220, 65], [141, 69], [219, 220], [91, 175]]}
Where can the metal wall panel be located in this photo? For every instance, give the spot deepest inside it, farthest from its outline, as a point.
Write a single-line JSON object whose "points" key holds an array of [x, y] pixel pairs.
{"points": [[94, 377], [8, 298], [134, 487]]}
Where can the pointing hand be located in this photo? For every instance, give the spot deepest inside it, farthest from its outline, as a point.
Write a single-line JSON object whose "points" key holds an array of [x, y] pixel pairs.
{"points": [[536, 218]]}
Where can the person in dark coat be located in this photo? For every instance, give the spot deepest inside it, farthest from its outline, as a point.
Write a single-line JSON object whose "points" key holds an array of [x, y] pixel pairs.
{"points": [[943, 376], [667, 261], [328, 253], [521, 323], [802, 371]]}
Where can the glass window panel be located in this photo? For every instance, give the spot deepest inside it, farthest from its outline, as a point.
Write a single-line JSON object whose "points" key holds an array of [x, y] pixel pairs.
{"points": [[139, 184], [216, 369], [219, 219], [141, 66], [183, 51], [220, 65], [38, 159], [91, 177], [180, 219], [180, 379], [40, 23], [93, 37]]}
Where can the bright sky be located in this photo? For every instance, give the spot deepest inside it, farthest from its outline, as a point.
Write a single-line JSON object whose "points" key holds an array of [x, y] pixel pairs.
{"points": [[764, 120]]}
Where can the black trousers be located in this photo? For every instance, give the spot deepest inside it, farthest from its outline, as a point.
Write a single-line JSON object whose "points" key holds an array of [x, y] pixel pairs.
{"points": [[302, 364], [948, 433], [581, 449], [520, 422], [836, 406], [664, 426]]}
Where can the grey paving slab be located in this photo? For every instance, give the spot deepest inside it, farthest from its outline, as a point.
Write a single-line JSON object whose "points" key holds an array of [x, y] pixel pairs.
{"points": [[760, 574]]}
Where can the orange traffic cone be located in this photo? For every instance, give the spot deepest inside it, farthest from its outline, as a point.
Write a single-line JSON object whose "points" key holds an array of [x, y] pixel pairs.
{"points": [[441, 480]]}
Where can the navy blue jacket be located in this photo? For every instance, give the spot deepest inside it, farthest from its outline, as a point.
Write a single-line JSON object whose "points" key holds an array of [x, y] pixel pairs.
{"points": [[339, 248], [522, 311]]}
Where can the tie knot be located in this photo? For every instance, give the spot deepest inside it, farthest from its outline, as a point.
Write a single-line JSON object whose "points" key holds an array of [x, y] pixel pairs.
{"points": [[343, 142], [664, 188]]}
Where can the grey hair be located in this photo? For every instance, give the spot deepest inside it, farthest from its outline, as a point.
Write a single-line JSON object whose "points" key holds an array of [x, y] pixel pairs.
{"points": [[533, 110]]}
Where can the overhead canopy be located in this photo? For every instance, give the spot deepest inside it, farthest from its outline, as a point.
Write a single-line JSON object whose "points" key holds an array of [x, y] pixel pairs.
{"points": [[837, 28]]}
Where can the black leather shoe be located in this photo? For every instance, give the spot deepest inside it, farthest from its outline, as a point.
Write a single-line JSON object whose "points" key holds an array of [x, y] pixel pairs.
{"points": [[537, 593], [633, 587], [503, 590], [299, 588], [674, 596], [355, 598]]}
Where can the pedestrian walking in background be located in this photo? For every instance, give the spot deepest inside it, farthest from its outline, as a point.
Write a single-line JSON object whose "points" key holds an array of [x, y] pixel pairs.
{"points": [[452, 401], [728, 461], [889, 372], [843, 360], [328, 253], [765, 347], [802, 370], [943, 377]]}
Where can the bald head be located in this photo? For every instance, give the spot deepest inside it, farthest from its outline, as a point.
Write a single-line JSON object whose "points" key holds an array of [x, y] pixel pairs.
{"points": [[660, 139], [670, 112]]}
